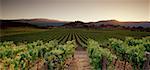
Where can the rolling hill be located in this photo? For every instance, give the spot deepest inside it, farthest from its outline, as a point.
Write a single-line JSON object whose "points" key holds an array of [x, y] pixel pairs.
{"points": [[40, 22], [126, 24]]}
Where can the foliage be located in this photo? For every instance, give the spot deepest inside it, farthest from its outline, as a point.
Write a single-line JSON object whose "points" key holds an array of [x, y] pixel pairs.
{"points": [[25, 56], [131, 50], [97, 53]]}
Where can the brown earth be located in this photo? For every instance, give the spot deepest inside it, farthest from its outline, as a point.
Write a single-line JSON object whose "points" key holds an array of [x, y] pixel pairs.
{"points": [[80, 60]]}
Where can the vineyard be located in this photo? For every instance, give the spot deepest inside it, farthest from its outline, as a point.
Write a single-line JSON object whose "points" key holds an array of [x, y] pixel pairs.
{"points": [[131, 51], [69, 34], [55, 49]]}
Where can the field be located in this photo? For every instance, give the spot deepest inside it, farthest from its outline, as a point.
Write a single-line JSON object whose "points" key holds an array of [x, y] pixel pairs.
{"points": [[87, 46], [100, 35], [18, 30]]}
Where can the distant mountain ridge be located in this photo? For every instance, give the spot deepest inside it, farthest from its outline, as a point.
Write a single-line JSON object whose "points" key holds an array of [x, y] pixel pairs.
{"points": [[40, 22], [45, 22], [144, 24], [11, 23]]}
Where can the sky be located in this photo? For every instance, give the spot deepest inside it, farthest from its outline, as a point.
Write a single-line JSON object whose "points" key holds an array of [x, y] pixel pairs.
{"points": [[73, 10], [0, 9]]}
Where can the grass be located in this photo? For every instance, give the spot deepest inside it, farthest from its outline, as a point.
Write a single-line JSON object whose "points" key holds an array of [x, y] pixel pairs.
{"points": [[18, 30], [101, 35], [30, 34]]}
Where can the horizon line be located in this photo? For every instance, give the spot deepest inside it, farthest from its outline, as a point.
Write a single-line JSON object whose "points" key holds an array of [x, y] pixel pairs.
{"points": [[76, 20]]}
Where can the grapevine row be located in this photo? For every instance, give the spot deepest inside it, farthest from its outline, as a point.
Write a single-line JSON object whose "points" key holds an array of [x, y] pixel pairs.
{"points": [[26, 56]]}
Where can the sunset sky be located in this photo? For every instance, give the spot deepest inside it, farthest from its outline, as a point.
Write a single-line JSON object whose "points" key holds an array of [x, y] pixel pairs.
{"points": [[71, 10]]}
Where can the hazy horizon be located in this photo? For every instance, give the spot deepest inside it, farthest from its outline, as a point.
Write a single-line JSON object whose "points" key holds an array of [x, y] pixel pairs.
{"points": [[73, 10]]}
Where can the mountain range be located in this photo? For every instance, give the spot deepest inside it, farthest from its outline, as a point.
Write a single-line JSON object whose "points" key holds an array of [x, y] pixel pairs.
{"points": [[40, 22]]}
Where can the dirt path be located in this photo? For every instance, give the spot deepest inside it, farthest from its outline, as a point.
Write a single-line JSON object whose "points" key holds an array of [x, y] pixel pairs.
{"points": [[81, 60]]}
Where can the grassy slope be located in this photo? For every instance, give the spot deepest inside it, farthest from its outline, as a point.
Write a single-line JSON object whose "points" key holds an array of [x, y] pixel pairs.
{"points": [[99, 35], [18, 30]]}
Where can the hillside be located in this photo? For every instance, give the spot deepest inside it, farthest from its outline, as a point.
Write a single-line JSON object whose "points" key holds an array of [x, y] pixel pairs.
{"points": [[13, 23], [126, 24], [30, 23], [45, 23]]}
